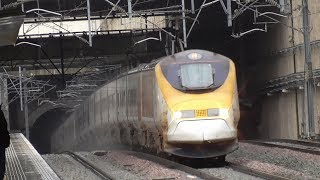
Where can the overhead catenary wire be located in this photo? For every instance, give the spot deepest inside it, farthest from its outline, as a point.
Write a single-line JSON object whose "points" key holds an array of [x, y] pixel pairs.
{"points": [[271, 18], [195, 20]]}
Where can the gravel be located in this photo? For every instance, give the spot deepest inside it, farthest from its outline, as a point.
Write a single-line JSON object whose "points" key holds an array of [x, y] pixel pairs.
{"points": [[277, 161], [144, 168], [117, 164], [121, 165], [115, 171], [68, 168], [317, 149], [227, 173]]}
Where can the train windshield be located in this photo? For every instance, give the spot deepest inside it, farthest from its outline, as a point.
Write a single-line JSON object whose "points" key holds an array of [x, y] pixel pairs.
{"points": [[196, 76], [186, 76]]}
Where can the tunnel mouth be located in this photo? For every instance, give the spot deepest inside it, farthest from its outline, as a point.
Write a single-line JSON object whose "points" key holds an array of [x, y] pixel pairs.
{"points": [[44, 126]]}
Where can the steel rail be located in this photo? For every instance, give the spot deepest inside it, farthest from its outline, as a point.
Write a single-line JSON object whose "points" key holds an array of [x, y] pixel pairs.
{"points": [[309, 147], [310, 143], [201, 174], [97, 171], [173, 165], [253, 172]]}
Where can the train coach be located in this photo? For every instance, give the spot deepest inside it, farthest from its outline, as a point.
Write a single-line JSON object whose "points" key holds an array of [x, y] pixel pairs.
{"points": [[185, 104]]}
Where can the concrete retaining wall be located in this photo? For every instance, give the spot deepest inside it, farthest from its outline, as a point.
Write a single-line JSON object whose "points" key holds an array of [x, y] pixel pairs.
{"points": [[282, 113]]}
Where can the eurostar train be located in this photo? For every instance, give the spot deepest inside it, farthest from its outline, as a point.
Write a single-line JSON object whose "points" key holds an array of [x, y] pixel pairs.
{"points": [[185, 104]]}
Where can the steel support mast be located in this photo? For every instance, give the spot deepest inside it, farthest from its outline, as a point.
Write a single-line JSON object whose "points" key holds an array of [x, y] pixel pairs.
{"points": [[309, 130], [184, 25], [26, 110], [89, 23]]}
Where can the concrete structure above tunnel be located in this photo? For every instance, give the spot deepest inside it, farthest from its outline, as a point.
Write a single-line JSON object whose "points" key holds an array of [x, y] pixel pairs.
{"points": [[55, 27]]}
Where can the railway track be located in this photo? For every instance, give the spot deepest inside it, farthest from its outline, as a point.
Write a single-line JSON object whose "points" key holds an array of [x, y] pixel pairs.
{"points": [[310, 147], [202, 174], [199, 172], [90, 166], [301, 142], [174, 165], [255, 173]]}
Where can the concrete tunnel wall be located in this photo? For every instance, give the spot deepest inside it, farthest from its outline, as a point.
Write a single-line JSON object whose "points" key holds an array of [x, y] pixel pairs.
{"points": [[37, 113], [282, 113], [45, 125]]}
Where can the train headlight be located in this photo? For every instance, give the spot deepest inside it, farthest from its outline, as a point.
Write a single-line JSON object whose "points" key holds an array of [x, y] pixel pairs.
{"points": [[184, 114], [194, 56], [213, 112], [188, 114], [177, 115]]}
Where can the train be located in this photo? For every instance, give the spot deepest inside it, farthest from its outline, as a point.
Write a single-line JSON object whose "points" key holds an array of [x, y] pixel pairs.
{"points": [[184, 104]]}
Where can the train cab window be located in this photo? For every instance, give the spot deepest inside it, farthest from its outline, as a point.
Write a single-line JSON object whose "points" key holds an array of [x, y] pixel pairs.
{"points": [[204, 74], [196, 76]]}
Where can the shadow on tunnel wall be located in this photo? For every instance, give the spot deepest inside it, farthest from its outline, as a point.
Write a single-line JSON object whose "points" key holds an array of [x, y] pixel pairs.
{"points": [[42, 129]]}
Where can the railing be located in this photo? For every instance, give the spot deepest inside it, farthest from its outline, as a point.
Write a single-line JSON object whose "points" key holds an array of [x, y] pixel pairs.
{"points": [[291, 81]]}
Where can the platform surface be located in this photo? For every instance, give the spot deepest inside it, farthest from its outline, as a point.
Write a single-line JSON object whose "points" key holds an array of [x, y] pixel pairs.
{"points": [[23, 162]]}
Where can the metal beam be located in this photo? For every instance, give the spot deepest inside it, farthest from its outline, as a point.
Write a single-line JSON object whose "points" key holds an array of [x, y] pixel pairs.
{"points": [[308, 92], [130, 9], [192, 7], [11, 80], [184, 28], [20, 83], [89, 22], [71, 62], [43, 67], [62, 62], [75, 74], [195, 20], [50, 60], [209, 3], [229, 13], [223, 6], [26, 113]]}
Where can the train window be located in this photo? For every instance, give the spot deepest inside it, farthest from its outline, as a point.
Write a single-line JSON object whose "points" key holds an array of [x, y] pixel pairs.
{"points": [[186, 76], [196, 76]]}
